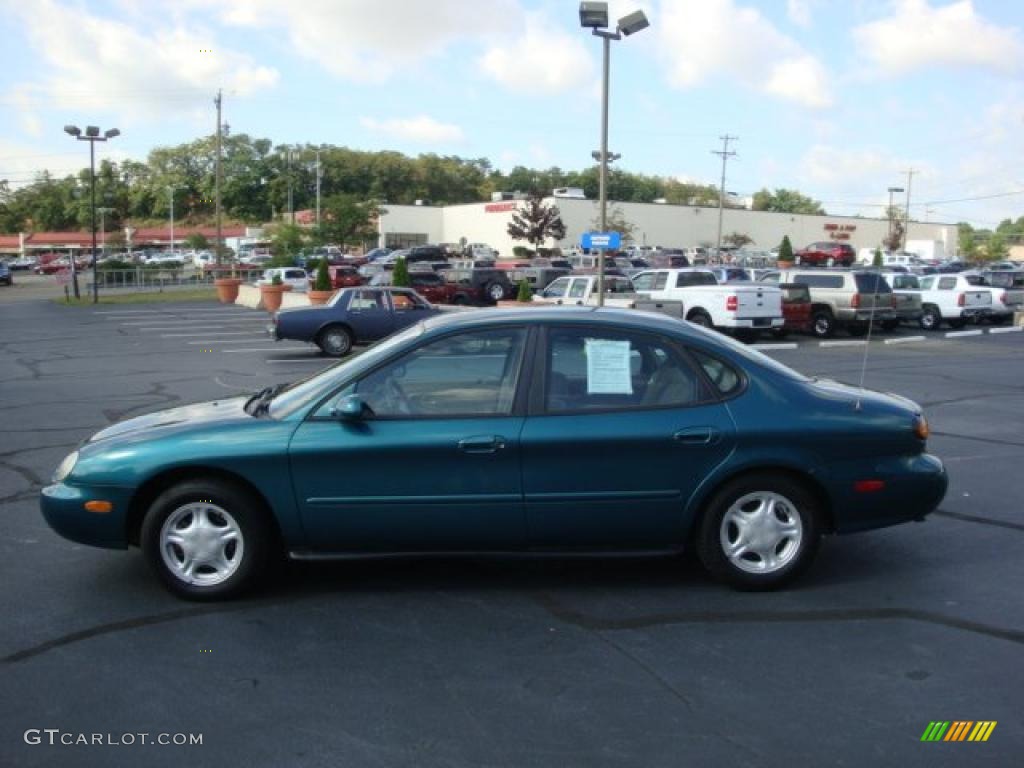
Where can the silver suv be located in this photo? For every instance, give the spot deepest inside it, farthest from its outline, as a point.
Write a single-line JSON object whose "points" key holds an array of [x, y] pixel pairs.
{"points": [[843, 299]]}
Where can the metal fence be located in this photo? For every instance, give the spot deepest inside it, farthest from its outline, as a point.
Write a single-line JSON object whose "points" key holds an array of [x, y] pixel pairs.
{"points": [[148, 279]]}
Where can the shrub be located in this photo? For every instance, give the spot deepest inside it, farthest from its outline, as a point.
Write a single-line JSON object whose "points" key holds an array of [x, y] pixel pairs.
{"points": [[785, 249], [521, 252], [323, 277], [877, 260], [525, 294], [276, 279], [400, 276]]}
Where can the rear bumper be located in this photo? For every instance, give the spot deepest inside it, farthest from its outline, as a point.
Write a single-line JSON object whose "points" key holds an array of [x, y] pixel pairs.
{"points": [[760, 323], [913, 487], [972, 313]]}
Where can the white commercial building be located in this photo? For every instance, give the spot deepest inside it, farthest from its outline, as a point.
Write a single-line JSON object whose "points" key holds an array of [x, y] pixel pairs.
{"points": [[668, 226]]}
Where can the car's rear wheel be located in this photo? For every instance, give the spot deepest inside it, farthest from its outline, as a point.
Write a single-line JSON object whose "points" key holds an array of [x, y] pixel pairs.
{"points": [[957, 323], [460, 299], [857, 329], [931, 318], [335, 340], [496, 291], [823, 324], [780, 333], [207, 539], [759, 532]]}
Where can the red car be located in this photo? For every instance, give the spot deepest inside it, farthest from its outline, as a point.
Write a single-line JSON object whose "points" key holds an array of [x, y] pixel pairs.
{"points": [[344, 277], [796, 309], [826, 254]]}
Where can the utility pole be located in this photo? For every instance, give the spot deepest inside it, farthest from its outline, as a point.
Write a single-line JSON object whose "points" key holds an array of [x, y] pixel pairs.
{"points": [[216, 181], [906, 213], [319, 175], [291, 207], [171, 189], [725, 155]]}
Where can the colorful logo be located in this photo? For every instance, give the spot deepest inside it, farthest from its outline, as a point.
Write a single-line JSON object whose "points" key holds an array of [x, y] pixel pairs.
{"points": [[958, 730]]}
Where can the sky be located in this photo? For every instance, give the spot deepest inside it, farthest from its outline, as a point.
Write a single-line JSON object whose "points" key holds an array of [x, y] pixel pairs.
{"points": [[837, 99]]}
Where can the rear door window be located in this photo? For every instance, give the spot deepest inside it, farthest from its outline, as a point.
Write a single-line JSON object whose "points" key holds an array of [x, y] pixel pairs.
{"points": [[871, 282]]}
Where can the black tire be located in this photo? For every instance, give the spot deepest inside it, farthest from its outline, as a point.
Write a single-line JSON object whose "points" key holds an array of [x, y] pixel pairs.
{"points": [[823, 324], [780, 333], [931, 318], [958, 323], [227, 508], [890, 325], [747, 336], [998, 319], [795, 519], [460, 299], [857, 329], [335, 341], [701, 318], [495, 291]]}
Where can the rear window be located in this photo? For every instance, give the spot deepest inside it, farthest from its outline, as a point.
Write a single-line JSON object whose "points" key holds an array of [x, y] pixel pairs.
{"points": [[871, 282], [976, 280], [906, 282], [684, 279], [819, 280], [793, 294]]}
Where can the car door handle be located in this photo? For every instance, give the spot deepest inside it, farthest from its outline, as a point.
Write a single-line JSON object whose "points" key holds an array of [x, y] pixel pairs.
{"points": [[483, 444], [697, 436]]}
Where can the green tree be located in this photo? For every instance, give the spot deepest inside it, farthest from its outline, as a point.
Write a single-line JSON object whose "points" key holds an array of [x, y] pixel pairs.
{"points": [[785, 249], [524, 295], [347, 220], [876, 260], [400, 275], [894, 239], [785, 201], [197, 241], [966, 240], [615, 221], [995, 249], [285, 242], [535, 222]]}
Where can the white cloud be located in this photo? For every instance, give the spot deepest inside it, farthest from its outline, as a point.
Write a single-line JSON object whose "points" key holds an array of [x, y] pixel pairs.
{"points": [[368, 41], [705, 39], [96, 63], [847, 168], [542, 59], [917, 36], [799, 12], [420, 129]]}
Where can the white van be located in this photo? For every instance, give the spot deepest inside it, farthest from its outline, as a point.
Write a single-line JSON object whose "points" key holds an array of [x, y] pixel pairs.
{"points": [[574, 193]]}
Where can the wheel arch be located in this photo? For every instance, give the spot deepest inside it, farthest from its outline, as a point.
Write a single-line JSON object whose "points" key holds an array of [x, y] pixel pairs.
{"points": [[698, 505], [332, 324], [154, 486]]}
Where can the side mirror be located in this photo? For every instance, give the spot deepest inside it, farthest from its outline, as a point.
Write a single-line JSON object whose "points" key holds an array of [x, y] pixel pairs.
{"points": [[349, 408]]}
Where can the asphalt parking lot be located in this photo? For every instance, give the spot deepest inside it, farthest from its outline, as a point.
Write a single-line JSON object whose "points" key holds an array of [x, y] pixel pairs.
{"points": [[504, 663]]}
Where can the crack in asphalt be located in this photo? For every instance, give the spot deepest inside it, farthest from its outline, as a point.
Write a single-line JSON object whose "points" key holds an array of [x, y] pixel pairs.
{"points": [[159, 389], [980, 520], [989, 440], [790, 616]]}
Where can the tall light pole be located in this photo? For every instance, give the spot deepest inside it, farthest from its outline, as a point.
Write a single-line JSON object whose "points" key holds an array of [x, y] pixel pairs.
{"points": [[889, 212], [171, 188], [103, 228], [92, 135], [594, 15]]}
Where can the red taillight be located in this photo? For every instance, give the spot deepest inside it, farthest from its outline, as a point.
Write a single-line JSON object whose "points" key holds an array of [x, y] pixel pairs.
{"points": [[869, 486], [1002, 297], [855, 301], [732, 303], [961, 300]]}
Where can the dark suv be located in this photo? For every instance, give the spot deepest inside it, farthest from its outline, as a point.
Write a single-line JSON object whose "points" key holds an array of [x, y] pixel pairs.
{"points": [[5, 273], [479, 286], [425, 253], [826, 254]]}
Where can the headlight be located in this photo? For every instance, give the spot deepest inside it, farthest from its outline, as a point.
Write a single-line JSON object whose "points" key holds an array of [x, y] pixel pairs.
{"points": [[65, 467]]}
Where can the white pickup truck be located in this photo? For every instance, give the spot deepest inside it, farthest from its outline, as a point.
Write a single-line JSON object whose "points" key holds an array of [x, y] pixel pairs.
{"points": [[1007, 288], [618, 292], [952, 299], [744, 308]]}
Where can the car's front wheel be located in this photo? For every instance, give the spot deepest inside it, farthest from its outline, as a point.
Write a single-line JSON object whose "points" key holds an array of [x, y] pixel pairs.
{"points": [[496, 291], [823, 324], [335, 341], [207, 539], [931, 319], [759, 532]]}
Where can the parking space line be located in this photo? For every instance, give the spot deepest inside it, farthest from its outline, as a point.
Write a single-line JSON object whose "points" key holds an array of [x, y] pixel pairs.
{"points": [[209, 327], [848, 343], [299, 360], [905, 339], [206, 321], [209, 341], [768, 347], [1011, 329], [958, 334], [261, 349], [210, 335]]}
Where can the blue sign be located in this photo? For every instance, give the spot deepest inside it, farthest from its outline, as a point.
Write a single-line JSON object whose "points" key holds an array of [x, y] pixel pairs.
{"points": [[606, 241]]}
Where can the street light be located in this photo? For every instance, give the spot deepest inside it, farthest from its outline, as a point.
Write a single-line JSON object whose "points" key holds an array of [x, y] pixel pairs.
{"points": [[594, 16], [888, 213], [102, 211], [171, 188], [92, 135]]}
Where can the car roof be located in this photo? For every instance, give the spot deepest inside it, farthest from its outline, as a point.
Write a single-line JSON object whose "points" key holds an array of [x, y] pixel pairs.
{"points": [[609, 316]]}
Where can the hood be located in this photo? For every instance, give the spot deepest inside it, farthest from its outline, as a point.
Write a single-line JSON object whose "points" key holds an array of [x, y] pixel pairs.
{"points": [[229, 409]]}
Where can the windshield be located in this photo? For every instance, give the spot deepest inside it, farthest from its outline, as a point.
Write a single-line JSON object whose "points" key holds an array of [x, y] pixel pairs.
{"points": [[304, 391]]}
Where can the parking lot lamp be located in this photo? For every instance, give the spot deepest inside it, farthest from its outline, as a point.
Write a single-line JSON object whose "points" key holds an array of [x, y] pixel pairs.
{"points": [[171, 189], [594, 15], [92, 135]]}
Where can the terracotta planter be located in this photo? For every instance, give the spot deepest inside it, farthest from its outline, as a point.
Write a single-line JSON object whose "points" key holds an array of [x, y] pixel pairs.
{"points": [[227, 289], [784, 264], [271, 296], [319, 297]]}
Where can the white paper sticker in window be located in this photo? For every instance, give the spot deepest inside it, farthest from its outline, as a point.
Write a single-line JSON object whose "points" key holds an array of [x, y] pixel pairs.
{"points": [[608, 367]]}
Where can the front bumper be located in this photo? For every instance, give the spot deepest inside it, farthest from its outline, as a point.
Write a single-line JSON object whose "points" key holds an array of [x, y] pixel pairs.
{"points": [[63, 507]]}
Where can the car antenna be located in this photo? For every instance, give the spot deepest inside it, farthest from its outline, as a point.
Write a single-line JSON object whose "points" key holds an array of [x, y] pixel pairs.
{"points": [[867, 343]]}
